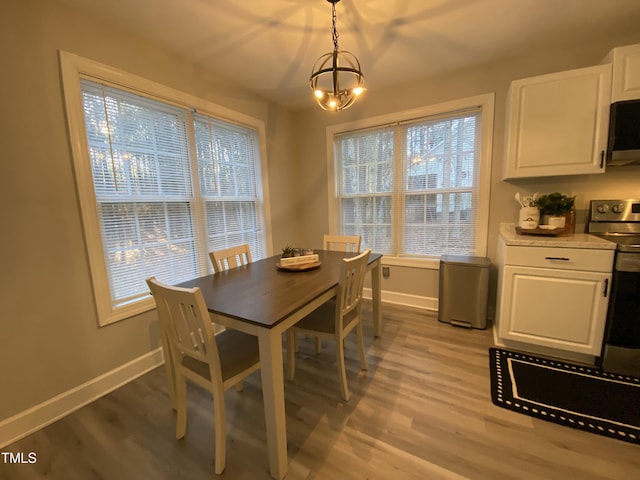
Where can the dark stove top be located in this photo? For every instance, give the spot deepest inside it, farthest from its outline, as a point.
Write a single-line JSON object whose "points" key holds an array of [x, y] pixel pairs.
{"points": [[617, 221], [624, 242]]}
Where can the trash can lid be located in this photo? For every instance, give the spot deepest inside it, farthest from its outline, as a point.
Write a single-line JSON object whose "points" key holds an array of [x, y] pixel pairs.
{"points": [[465, 260]]}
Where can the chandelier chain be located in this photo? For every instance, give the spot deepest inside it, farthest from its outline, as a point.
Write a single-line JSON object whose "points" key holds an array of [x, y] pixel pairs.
{"points": [[334, 31]]}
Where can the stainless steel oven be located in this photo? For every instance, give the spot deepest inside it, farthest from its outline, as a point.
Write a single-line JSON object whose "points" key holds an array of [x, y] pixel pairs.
{"points": [[619, 221]]}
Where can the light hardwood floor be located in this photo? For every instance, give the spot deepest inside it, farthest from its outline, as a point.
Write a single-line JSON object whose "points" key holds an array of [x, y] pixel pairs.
{"points": [[422, 411]]}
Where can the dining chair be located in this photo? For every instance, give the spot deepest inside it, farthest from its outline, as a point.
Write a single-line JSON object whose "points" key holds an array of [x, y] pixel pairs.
{"points": [[231, 257], [214, 362], [336, 318], [342, 243]]}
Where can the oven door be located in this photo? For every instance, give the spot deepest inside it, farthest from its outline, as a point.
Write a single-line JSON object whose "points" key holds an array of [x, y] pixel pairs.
{"points": [[621, 351]]}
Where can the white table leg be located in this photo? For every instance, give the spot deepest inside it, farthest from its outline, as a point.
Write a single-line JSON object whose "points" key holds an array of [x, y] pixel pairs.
{"points": [[273, 394]]}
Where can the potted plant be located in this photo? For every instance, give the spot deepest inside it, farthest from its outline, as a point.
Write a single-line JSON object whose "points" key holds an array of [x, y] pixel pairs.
{"points": [[555, 208]]}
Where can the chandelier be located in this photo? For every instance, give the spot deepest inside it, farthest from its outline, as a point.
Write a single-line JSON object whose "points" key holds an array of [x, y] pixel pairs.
{"points": [[336, 78]]}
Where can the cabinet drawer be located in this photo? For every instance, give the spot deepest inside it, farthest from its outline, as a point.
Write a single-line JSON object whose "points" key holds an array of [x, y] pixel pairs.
{"points": [[560, 258]]}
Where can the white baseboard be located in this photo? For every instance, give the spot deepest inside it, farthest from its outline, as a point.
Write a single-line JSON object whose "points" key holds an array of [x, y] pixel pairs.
{"points": [[33, 419], [415, 301]]}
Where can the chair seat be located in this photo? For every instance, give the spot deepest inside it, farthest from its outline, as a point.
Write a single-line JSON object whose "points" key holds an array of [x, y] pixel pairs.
{"points": [[323, 320], [237, 351]]}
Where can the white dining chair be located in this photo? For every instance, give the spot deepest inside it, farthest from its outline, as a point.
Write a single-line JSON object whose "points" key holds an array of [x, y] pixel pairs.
{"points": [[231, 257], [214, 362], [339, 243], [342, 243], [336, 318]]}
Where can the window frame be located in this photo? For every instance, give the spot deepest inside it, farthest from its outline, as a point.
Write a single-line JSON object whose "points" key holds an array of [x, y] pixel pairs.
{"points": [[73, 68], [485, 102]]}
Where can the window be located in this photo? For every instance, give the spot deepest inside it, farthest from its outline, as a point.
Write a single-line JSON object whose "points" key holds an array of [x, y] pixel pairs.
{"points": [[161, 183], [415, 184]]}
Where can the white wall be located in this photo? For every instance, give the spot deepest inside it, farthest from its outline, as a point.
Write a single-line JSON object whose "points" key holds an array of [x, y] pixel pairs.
{"points": [[50, 343], [311, 148]]}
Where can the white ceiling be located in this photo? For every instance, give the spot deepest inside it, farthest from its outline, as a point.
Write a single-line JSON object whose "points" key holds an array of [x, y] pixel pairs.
{"points": [[269, 46]]}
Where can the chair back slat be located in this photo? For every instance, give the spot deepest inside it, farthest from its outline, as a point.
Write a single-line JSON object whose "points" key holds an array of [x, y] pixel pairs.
{"points": [[231, 257], [350, 285], [185, 320], [342, 243]]}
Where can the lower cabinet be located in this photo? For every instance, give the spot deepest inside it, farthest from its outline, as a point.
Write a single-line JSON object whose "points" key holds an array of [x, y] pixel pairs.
{"points": [[555, 298]]}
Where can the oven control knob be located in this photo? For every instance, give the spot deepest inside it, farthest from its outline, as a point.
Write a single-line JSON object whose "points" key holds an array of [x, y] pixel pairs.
{"points": [[618, 208], [602, 208]]}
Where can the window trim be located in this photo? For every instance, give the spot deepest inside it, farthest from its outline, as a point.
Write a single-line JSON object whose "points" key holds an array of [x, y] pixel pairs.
{"points": [[486, 103], [73, 67]]}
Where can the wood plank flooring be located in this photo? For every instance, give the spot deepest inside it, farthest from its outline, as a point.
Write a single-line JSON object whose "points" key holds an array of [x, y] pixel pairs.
{"points": [[422, 411]]}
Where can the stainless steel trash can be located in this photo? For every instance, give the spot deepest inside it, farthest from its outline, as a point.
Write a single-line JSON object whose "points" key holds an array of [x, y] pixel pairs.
{"points": [[463, 290]]}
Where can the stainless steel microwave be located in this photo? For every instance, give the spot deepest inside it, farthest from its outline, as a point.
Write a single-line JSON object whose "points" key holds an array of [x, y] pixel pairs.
{"points": [[623, 147]]}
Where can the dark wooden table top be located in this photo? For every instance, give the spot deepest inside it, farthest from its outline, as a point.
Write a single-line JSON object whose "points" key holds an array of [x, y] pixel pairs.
{"points": [[261, 294]]}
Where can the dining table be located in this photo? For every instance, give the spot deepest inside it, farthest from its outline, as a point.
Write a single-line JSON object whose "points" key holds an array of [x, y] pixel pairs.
{"points": [[264, 300]]}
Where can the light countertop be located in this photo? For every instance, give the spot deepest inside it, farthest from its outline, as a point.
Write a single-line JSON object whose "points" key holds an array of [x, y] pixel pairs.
{"points": [[575, 240]]}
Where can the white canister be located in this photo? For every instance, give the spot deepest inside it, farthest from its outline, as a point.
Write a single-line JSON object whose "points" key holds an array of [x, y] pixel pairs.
{"points": [[529, 217]]}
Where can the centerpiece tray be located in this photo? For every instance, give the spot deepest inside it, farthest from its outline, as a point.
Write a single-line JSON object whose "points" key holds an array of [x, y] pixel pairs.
{"points": [[299, 267]]}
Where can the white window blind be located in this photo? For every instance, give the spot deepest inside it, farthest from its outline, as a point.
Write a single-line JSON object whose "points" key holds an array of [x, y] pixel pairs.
{"points": [[412, 188], [366, 187], [227, 160], [170, 185], [440, 185], [139, 158]]}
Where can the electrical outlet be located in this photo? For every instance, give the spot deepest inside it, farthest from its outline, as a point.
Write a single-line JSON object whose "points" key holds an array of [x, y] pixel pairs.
{"points": [[385, 271]]}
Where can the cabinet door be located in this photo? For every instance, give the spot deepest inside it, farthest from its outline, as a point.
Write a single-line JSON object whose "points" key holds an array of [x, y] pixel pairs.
{"points": [[626, 73], [557, 124], [562, 309]]}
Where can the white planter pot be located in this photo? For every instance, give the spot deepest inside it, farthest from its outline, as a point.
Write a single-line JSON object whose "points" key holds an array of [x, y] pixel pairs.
{"points": [[554, 221]]}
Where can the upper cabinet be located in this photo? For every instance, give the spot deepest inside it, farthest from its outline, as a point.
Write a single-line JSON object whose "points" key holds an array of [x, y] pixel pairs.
{"points": [[626, 72], [557, 124]]}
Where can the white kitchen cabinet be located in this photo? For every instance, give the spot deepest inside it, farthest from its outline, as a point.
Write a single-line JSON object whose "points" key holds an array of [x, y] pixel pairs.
{"points": [[553, 298], [626, 72], [557, 124]]}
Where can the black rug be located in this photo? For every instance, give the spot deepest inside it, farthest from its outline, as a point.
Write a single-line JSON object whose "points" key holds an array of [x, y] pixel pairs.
{"points": [[573, 395]]}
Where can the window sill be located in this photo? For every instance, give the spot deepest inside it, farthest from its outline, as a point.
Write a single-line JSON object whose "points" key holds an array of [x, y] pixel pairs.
{"points": [[115, 314], [425, 263]]}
